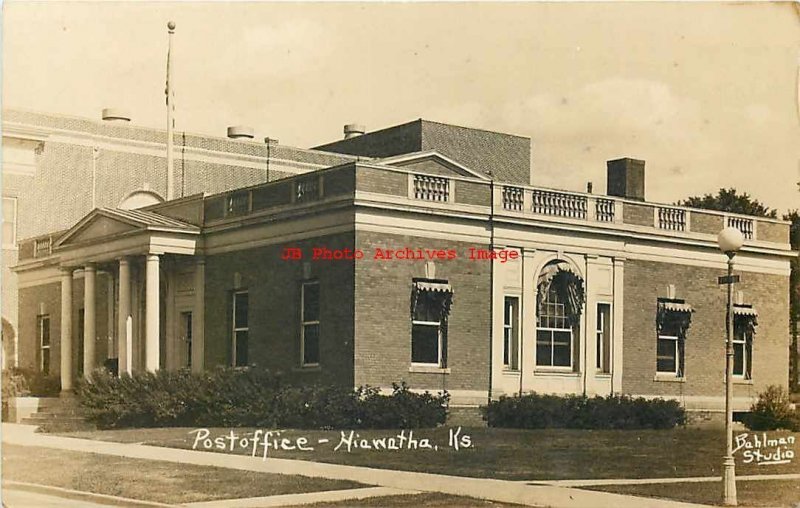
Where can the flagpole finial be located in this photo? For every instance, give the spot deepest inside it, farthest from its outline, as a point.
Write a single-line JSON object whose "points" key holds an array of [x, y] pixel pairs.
{"points": [[171, 26]]}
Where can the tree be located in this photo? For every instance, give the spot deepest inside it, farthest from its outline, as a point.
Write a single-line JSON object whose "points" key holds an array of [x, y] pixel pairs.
{"points": [[729, 200]]}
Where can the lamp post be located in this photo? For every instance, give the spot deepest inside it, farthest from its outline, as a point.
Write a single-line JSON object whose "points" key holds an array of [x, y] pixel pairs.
{"points": [[730, 240]]}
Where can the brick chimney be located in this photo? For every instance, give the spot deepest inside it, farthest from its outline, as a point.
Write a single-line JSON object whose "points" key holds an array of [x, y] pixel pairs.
{"points": [[625, 178]]}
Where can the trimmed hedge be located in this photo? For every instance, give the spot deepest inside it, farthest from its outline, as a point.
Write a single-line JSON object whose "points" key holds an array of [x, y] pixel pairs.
{"points": [[227, 397], [536, 411], [773, 410]]}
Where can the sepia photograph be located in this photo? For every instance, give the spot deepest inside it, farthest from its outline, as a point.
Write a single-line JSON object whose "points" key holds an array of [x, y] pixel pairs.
{"points": [[400, 254]]}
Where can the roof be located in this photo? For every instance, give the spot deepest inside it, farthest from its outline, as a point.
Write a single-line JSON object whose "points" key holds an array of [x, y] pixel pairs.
{"points": [[148, 219]]}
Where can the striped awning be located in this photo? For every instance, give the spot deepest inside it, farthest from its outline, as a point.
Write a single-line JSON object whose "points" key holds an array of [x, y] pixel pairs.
{"points": [[741, 310], [676, 307], [436, 287]]}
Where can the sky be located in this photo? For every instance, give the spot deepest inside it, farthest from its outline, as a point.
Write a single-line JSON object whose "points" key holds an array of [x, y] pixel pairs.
{"points": [[706, 93]]}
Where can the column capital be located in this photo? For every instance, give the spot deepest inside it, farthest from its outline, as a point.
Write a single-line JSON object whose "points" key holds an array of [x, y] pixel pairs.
{"points": [[124, 260], [90, 267]]}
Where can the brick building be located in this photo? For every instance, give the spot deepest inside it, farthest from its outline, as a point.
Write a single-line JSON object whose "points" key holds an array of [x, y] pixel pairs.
{"points": [[409, 263]]}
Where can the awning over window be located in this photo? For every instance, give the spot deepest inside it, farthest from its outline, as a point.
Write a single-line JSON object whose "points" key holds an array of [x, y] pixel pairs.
{"points": [[440, 291], [568, 284], [746, 316], [676, 307], [674, 316], [741, 310]]}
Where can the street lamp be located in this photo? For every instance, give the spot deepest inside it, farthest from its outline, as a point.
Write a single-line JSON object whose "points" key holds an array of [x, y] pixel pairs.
{"points": [[730, 240]]}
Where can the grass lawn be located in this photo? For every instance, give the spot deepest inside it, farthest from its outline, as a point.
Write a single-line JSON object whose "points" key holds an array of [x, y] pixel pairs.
{"points": [[749, 493], [415, 500], [149, 480], [509, 454]]}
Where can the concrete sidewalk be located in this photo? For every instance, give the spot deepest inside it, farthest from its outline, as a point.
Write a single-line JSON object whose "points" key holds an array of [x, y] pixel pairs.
{"points": [[482, 488]]}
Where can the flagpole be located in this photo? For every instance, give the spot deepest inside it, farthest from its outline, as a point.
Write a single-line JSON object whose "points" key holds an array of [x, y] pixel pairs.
{"points": [[170, 111]]}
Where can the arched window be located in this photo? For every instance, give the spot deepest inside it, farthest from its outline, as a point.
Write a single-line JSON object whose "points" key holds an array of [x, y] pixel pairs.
{"points": [[560, 304]]}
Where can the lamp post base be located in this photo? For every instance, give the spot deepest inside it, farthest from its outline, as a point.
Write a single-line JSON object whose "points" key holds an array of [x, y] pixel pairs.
{"points": [[729, 481]]}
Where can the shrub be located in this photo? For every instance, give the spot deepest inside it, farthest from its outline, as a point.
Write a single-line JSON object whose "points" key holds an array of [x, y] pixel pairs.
{"points": [[773, 410], [249, 398], [537, 411], [29, 383]]}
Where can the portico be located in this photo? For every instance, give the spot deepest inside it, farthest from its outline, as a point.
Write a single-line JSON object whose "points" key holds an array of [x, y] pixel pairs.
{"points": [[137, 253]]}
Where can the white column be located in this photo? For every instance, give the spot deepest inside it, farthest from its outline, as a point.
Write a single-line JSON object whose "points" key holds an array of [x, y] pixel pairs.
{"points": [[122, 315], [66, 330], [152, 317], [198, 315], [89, 312]]}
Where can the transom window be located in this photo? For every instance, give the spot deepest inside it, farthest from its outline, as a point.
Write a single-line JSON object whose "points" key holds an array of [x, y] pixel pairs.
{"points": [[241, 328], [309, 323]]}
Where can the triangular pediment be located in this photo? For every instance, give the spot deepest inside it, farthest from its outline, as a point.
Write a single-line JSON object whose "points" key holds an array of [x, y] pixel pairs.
{"points": [[96, 226], [432, 162]]}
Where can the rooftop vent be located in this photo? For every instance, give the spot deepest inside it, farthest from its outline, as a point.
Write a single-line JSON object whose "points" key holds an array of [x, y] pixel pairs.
{"points": [[352, 130], [240, 132], [116, 115]]}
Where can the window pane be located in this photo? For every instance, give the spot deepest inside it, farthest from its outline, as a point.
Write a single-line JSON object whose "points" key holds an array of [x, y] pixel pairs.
{"points": [[240, 308], [424, 344], [544, 349], [46, 361], [562, 349], [241, 348], [310, 344], [738, 358], [666, 360], [45, 334], [310, 302]]}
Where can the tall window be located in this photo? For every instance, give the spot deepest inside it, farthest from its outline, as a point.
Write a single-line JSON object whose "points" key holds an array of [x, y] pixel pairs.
{"points": [[309, 323], [428, 332], [603, 338], [43, 328], [554, 335], [669, 359], [186, 323], [511, 333], [744, 328], [241, 328], [673, 319], [9, 222]]}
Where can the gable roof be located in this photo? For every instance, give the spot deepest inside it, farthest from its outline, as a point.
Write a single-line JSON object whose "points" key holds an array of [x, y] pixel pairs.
{"points": [[432, 156], [104, 222]]}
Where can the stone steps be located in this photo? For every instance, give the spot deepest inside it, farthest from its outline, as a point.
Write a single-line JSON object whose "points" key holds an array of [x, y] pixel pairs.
{"points": [[59, 415]]}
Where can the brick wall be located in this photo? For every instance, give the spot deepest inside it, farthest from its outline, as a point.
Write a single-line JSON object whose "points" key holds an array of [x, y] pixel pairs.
{"points": [[274, 309], [706, 222], [772, 232], [381, 181], [641, 215], [473, 193], [645, 281], [383, 320]]}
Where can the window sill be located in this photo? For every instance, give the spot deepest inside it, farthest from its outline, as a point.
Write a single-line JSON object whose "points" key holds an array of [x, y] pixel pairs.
{"points": [[602, 375], [669, 378], [742, 381], [510, 372], [307, 368], [428, 369], [556, 373]]}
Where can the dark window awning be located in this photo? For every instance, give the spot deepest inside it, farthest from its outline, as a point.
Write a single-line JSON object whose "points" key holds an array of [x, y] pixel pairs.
{"points": [[744, 311], [676, 307], [437, 290]]}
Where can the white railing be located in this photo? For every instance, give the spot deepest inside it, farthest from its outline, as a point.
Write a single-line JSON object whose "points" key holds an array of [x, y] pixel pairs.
{"points": [[605, 210], [558, 204], [431, 188], [671, 219], [743, 225], [513, 198]]}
